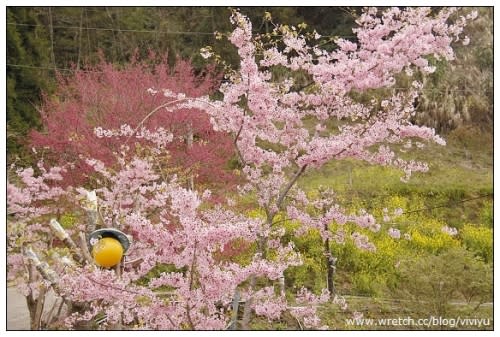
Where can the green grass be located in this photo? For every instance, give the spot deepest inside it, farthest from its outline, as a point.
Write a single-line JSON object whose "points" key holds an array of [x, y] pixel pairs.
{"points": [[461, 170], [447, 171]]}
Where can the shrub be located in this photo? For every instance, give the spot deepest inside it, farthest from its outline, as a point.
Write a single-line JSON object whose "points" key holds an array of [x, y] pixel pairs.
{"points": [[432, 282], [487, 214]]}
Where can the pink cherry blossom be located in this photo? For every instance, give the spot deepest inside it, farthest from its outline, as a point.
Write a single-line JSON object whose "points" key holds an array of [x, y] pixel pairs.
{"points": [[394, 233]]}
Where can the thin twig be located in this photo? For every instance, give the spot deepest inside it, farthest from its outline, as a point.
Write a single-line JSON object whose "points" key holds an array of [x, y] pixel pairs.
{"points": [[133, 263], [298, 321], [164, 105]]}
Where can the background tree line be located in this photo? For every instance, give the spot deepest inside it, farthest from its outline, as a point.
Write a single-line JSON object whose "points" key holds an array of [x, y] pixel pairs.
{"points": [[43, 42]]}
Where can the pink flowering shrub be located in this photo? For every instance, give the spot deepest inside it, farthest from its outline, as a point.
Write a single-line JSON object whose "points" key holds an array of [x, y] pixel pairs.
{"points": [[107, 97], [279, 133]]}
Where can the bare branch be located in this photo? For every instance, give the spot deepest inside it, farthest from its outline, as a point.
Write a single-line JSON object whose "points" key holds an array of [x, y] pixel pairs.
{"points": [[283, 194], [235, 142], [43, 268]]}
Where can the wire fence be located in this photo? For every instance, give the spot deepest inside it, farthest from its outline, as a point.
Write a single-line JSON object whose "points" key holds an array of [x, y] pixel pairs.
{"points": [[71, 70], [172, 32], [449, 204], [146, 31]]}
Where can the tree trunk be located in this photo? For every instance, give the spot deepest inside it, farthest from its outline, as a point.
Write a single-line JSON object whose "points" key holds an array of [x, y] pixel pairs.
{"points": [[36, 323], [51, 31], [262, 251], [330, 267], [80, 33], [189, 142], [247, 311]]}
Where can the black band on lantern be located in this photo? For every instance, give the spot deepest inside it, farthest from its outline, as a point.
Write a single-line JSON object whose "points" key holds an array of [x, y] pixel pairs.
{"points": [[109, 233]]}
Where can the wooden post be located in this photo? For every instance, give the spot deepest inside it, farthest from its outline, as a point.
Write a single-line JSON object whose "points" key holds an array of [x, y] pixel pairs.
{"points": [[30, 300], [51, 317], [350, 177], [330, 260], [330, 264], [91, 211], [35, 307], [82, 240], [282, 285]]}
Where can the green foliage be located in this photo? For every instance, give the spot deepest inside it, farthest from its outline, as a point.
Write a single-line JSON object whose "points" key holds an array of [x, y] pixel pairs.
{"points": [[370, 272], [68, 220], [367, 284], [487, 214], [156, 272], [430, 202], [40, 38], [74, 36], [312, 273], [478, 240], [376, 273], [461, 170]]}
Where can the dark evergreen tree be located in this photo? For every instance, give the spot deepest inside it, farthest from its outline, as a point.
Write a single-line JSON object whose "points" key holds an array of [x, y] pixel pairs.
{"points": [[27, 63]]}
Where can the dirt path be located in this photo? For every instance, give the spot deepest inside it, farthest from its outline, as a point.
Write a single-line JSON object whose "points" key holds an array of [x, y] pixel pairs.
{"points": [[18, 317]]}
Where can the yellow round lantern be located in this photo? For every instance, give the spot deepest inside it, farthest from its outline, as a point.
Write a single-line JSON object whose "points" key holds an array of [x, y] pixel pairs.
{"points": [[108, 245], [107, 252]]}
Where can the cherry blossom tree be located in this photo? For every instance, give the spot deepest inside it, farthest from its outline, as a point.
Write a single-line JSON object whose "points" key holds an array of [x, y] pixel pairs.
{"points": [[280, 131]]}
